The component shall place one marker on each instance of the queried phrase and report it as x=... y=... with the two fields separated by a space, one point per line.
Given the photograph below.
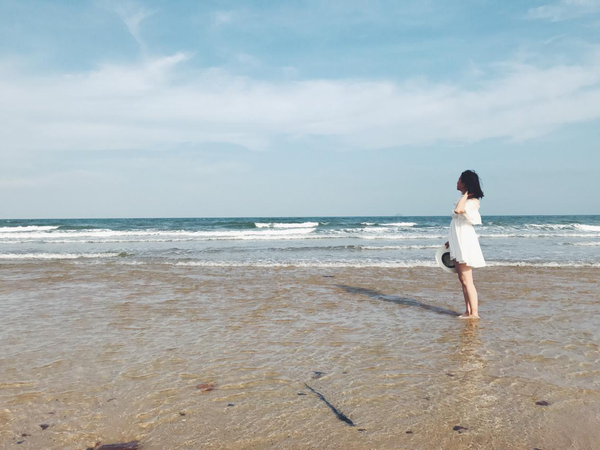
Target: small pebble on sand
x=206 y=387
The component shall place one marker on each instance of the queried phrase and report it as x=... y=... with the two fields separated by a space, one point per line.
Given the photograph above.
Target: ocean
x=551 y=241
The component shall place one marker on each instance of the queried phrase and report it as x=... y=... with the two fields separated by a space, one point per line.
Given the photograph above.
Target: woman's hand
x=460 y=206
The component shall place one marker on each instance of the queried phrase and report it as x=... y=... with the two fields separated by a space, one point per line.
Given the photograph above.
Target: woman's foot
x=467 y=316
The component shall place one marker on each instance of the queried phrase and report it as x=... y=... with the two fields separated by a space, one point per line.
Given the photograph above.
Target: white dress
x=464 y=244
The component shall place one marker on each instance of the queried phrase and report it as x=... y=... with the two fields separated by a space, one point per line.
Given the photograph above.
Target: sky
x=297 y=108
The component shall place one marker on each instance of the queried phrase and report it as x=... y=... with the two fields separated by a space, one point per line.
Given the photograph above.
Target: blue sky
x=299 y=108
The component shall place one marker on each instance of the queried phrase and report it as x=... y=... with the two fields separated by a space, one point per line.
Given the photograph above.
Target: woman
x=463 y=242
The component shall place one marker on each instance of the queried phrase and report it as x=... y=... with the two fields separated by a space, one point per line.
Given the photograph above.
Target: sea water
x=552 y=241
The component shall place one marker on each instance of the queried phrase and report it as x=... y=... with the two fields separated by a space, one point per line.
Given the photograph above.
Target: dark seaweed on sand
x=337 y=413
x=133 y=445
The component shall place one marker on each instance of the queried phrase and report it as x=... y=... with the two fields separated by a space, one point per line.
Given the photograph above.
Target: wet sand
x=110 y=353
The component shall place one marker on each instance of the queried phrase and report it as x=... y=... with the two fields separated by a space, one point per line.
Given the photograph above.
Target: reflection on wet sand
x=469 y=352
x=473 y=396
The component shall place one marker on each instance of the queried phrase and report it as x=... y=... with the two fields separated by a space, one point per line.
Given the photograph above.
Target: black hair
x=472 y=182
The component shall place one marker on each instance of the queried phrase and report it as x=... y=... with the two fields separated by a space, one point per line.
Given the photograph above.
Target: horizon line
x=288 y=217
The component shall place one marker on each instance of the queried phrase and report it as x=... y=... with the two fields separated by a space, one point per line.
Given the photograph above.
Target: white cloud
x=564 y=9
x=156 y=104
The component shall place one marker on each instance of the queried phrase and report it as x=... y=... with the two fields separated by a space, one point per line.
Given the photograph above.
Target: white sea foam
x=566 y=264
x=26 y=229
x=278 y=237
x=566 y=226
x=308 y=264
x=368 y=263
x=274 y=235
x=398 y=237
x=367 y=223
x=397 y=247
x=305 y=230
x=587 y=227
x=286 y=225
x=550 y=226
x=94 y=241
x=377 y=229
x=77 y=234
x=44 y=256
x=399 y=224
x=536 y=235
x=586 y=244
x=133 y=240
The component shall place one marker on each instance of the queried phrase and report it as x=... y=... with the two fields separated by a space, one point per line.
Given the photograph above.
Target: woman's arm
x=460 y=206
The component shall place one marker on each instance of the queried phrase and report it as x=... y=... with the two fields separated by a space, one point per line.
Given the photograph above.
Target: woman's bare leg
x=464 y=289
x=466 y=296
x=465 y=275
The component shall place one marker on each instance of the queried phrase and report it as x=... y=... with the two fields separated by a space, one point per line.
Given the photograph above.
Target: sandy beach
x=199 y=357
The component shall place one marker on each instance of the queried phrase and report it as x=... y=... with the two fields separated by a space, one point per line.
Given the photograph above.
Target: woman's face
x=460 y=186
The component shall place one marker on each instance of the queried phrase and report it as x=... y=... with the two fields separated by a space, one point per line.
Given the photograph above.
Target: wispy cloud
x=22 y=182
x=159 y=104
x=132 y=14
x=564 y=9
x=45 y=180
x=222 y=18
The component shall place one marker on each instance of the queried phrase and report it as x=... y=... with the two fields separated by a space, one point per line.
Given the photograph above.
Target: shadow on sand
x=398 y=300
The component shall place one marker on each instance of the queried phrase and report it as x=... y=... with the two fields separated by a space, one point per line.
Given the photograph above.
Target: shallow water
x=111 y=353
